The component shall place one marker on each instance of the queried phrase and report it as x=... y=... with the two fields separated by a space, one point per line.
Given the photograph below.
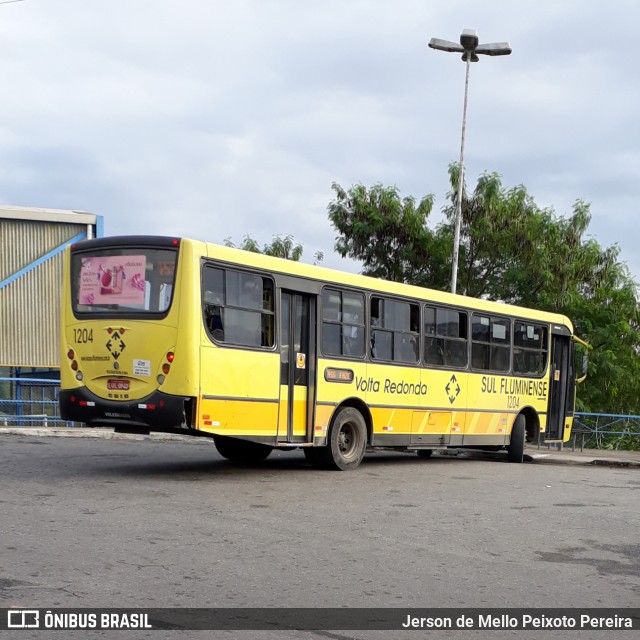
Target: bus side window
x=343 y=323
x=445 y=332
x=244 y=327
x=499 y=358
x=480 y=356
x=213 y=314
x=409 y=349
x=433 y=352
x=457 y=354
x=164 y=296
x=491 y=343
x=382 y=345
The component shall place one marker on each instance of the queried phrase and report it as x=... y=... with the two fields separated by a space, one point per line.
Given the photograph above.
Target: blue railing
x=26 y=402
x=606 y=431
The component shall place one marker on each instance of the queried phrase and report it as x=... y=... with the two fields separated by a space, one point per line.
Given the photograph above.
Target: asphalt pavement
x=543 y=454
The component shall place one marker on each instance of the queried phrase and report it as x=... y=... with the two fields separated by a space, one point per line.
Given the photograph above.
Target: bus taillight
x=166 y=367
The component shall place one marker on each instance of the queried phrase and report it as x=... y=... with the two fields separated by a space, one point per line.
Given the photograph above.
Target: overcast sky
x=214 y=119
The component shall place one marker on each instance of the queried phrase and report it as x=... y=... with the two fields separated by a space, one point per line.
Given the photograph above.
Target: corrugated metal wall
x=30 y=305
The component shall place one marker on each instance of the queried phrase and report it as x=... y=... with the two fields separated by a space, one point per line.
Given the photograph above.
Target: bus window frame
x=547 y=351
x=133 y=314
x=492 y=316
x=439 y=306
x=275 y=313
x=382 y=295
x=364 y=324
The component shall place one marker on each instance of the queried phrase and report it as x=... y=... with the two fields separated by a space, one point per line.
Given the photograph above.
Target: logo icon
x=452 y=389
x=115 y=345
x=23 y=619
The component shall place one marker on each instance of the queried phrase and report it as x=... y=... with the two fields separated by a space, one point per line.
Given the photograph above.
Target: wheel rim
x=348 y=440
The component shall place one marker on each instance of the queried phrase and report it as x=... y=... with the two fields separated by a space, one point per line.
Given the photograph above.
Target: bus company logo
x=23 y=619
x=115 y=345
x=452 y=389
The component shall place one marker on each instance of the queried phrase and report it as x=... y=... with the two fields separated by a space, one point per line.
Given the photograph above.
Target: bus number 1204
x=82 y=336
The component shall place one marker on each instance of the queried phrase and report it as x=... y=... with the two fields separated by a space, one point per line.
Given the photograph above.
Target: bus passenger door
x=297 y=367
x=559 y=388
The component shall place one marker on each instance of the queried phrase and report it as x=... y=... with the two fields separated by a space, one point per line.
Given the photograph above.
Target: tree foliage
x=511 y=250
x=279 y=247
x=387 y=233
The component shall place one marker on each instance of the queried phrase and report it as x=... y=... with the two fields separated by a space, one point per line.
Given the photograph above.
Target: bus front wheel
x=347 y=441
x=241 y=450
x=515 y=452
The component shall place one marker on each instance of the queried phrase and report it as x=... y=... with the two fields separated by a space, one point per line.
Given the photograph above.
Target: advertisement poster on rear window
x=112 y=280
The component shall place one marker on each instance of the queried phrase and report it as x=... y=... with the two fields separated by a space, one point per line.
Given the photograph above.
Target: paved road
x=111 y=523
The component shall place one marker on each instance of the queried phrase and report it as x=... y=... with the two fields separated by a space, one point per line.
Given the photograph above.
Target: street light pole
x=469 y=48
x=456 y=232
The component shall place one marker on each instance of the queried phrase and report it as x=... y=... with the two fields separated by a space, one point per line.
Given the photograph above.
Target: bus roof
x=334 y=276
x=244 y=258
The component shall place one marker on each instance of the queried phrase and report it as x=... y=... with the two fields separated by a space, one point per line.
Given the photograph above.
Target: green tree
x=513 y=251
x=608 y=316
x=279 y=247
x=386 y=232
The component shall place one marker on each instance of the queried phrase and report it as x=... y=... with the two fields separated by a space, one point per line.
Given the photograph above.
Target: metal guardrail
x=37 y=420
x=29 y=402
x=606 y=431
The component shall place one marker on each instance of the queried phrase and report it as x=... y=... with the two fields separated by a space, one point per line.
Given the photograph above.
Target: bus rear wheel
x=515 y=452
x=241 y=450
x=347 y=441
x=424 y=453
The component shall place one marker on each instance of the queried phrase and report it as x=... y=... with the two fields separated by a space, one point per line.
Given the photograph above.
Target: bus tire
x=424 y=453
x=515 y=452
x=347 y=441
x=241 y=450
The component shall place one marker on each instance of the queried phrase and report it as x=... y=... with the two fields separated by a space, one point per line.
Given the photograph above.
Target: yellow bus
x=260 y=353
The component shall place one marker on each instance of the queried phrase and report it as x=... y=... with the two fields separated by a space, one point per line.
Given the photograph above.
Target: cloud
x=217 y=119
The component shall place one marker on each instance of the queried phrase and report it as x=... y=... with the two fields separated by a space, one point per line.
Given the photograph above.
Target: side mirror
x=581 y=347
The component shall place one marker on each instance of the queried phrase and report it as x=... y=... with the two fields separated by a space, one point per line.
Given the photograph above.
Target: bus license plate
x=118 y=385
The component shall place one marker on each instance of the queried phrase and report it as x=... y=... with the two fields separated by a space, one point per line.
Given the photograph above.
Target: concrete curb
x=592 y=458
x=103 y=433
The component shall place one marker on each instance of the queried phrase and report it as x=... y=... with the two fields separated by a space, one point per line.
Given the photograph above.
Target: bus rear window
x=123 y=280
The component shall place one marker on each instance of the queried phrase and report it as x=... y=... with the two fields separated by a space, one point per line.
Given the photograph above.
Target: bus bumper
x=158 y=411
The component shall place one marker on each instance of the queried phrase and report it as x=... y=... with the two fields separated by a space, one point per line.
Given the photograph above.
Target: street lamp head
x=469 y=47
x=494 y=49
x=445 y=45
x=469 y=39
